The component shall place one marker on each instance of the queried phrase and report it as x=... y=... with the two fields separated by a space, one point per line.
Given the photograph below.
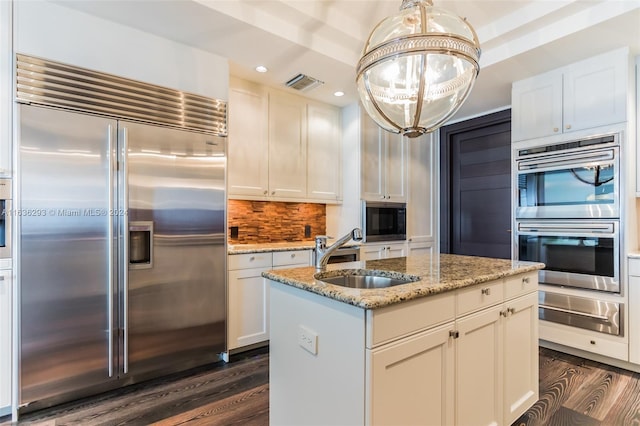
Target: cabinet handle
x=511 y=311
x=454 y=334
x=486 y=291
x=503 y=314
x=568 y=126
x=251 y=259
x=525 y=280
x=273 y=192
x=555 y=129
x=266 y=192
x=593 y=342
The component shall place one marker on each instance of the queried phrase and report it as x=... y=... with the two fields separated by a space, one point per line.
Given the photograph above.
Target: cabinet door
x=536 y=105
x=411 y=381
x=396 y=167
x=520 y=356
x=6 y=95
x=287 y=146
x=419 y=249
x=479 y=359
x=5 y=341
x=595 y=91
x=324 y=153
x=248 y=165
x=373 y=160
x=396 y=250
x=248 y=310
x=421 y=197
x=372 y=252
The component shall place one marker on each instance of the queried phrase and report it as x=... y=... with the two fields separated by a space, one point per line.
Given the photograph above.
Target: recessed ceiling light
x=338 y=93
x=261 y=68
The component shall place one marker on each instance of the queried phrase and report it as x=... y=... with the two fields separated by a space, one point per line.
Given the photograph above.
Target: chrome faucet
x=323 y=252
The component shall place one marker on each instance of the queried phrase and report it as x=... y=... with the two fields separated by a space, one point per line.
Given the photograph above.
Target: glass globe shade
x=417 y=68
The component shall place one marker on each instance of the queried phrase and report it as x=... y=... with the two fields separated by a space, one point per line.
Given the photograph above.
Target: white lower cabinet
x=248 y=294
x=486 y=361
x=466 y=357
x=5 y=342
x=427 y=359
x=382 y=250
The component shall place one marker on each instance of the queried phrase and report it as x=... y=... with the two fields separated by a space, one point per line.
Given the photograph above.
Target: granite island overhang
x=438 y=273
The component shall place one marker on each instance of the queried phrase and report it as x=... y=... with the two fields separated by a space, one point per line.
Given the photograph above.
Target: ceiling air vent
x=303 y=82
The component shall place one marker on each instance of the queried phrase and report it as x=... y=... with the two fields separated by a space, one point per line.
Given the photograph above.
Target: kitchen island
x=457 y=346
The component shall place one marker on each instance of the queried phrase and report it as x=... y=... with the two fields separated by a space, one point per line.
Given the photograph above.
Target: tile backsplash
x=273 y=222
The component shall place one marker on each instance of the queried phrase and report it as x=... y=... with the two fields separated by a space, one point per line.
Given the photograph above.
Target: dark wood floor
x=573 y=391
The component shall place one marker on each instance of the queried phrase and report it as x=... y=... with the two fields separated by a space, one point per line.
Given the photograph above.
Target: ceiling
x=324 y=38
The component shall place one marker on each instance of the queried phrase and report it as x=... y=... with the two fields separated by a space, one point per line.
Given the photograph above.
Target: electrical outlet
x=234 y=232
x=307 y=231
x=308 y=339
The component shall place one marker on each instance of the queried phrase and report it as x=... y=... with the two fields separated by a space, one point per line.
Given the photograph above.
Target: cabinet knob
x=486 y=291
x=293 y=255
x=273 y=192
x=555 y=129
x=568 y=126
x=525 y=280
x=503 y=314
x=593 y=342
x=382 y=197
x=266 y=192
x=511 y=311
x=251 y=259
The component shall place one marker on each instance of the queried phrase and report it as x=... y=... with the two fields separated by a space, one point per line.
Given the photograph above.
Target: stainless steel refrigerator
x=122 y=252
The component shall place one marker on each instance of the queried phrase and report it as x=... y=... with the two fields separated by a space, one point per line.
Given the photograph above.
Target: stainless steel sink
x=363 y=278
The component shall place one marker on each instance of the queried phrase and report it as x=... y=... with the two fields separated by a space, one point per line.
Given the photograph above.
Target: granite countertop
x=437 y=274
x=285 y=246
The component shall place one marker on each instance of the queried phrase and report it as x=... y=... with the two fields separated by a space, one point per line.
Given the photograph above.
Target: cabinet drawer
x=589 y=341
x=292 y=257
x=634 y=267
x=480 y=296
x=520 y=284
x=403 y=319
x=250 y=260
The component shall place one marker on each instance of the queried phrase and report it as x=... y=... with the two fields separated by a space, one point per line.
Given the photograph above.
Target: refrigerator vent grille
x=45 y=82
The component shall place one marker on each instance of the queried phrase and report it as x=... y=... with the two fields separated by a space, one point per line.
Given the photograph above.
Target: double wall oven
x=567 y=215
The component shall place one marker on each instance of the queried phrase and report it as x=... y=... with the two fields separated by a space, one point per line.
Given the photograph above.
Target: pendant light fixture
x=417 y=68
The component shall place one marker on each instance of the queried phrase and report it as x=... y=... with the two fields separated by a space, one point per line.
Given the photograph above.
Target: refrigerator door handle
x=125 y=250
x=110 y=262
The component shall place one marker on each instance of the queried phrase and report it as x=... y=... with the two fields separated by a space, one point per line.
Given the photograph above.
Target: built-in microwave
x=572 y=180
x=384 y=221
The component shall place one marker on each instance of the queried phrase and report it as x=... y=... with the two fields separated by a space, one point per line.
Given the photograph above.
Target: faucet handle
x=356 y=234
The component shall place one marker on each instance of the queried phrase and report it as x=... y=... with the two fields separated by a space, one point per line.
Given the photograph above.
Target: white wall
x=55 y=32
x=342 y=218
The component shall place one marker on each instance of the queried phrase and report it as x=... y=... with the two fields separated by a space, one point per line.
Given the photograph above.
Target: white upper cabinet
x=384 y=163
x=287 y=146
x=422 y=197
x=324 y=153
x=282 y=147
x=248 y=160
x=583 y=95
x=638 y=124
x=6 y=97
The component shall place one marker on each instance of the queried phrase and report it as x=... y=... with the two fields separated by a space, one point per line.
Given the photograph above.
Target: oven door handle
x=568 y=311
x=567 y=228
x=575 y=160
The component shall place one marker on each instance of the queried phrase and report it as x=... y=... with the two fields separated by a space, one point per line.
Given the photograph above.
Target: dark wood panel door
x=476 y=192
